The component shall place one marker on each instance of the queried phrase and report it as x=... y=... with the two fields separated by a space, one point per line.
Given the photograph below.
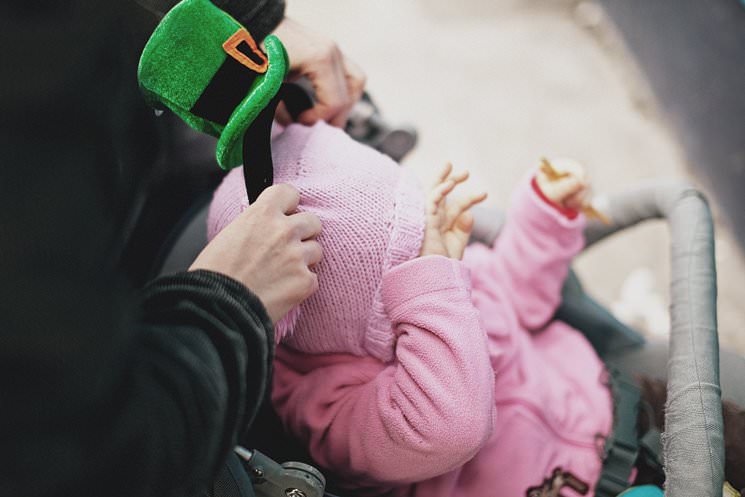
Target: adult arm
x=102 y=392
x=260 y=17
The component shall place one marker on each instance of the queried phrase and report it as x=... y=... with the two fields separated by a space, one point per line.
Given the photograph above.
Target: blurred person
x=106 y=389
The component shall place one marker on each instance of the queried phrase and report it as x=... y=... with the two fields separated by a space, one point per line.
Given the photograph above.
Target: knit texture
x=486 y=395
x=372 y=212
x=427 y=376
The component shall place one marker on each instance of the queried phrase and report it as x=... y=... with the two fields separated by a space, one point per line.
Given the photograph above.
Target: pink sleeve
x=531 y=257
x=424 y=414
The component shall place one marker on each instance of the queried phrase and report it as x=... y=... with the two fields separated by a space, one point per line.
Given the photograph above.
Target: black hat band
x=227 y=88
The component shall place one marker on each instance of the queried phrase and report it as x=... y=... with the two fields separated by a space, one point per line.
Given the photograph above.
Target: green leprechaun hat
x=204 y=66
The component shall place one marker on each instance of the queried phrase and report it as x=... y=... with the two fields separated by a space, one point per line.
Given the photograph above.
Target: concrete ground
x=493 y=85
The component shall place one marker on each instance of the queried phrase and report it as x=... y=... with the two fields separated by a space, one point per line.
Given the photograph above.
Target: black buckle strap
x=622 y=446
x=258 y=167
x=650 y=445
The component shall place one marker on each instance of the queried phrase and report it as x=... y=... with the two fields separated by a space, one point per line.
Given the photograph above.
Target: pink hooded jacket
x=483 y=394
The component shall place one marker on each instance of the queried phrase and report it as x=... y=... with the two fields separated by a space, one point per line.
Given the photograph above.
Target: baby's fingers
x=572 y=167
x=463 y=226
x=578 y=200
x=457 y=238
x=444 y=174
x=438 y=194
x=442 y=190
x=457 y=209
x=560 y=190
x=447 y=175
x=460 y=177
x=571 y=185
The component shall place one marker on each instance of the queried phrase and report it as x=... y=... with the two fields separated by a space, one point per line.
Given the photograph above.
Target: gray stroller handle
x=693 y=439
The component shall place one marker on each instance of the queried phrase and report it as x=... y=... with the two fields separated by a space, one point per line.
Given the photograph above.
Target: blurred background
x=632 y=88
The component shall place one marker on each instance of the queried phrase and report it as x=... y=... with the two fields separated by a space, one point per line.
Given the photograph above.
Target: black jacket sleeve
x=103 y=390
x=234 y=321
x=203 y=358
x=260 y=17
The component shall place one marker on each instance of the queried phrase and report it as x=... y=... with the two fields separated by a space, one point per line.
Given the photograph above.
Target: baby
x=423 y=367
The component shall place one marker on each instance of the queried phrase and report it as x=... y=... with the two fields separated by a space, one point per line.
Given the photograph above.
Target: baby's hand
x=564 y=182
x=448 y=225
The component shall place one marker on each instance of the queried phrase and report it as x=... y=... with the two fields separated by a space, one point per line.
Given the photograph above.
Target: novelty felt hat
x=204 y=66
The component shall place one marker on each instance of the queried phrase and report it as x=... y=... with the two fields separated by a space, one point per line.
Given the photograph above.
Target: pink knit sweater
x=485 y=395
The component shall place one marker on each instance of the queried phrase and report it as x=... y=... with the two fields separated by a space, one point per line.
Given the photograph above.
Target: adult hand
x=338 y=82
x=269 y=248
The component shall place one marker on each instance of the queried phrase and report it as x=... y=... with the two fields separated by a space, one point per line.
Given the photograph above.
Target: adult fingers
x=313 y=282
x=306 y=285
x=312 y=252
x=329 y=81
x=356 y=80
x=282 y=196
x=307 y=225
x=282 y=115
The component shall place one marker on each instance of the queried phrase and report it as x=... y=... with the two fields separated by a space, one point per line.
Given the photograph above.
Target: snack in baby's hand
x=553 y=175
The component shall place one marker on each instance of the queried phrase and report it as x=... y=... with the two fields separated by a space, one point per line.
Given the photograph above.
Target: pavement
x=493 y=85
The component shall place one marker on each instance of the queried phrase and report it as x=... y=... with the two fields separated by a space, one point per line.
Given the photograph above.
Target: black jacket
x=105 y=389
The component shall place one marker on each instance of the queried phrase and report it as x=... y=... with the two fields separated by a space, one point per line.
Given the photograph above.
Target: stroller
x=692 y=446
x=693 y=454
